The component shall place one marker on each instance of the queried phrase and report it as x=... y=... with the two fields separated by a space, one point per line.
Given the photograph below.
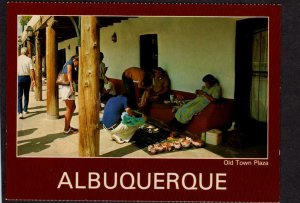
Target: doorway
x=148 y=52
x=251 y=77
x=61 y=59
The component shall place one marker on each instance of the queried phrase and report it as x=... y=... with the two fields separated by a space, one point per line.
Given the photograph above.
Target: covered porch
x=81 y=35
x=37 y=137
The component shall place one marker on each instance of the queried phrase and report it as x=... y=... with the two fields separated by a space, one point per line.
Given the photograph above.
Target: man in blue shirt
x=112 y=121
x=114 y=108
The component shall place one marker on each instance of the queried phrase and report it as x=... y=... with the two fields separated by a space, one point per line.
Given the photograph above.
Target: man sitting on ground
x=119 y=120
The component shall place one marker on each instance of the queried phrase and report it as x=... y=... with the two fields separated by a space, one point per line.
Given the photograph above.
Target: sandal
x=68 y=132
x=75 y=130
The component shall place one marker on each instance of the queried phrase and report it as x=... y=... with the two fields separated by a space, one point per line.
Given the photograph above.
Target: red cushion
x=215 y=115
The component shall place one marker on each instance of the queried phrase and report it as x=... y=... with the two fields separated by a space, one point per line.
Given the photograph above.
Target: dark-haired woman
x=159 y=90
x=68 y=92
x=209 y=93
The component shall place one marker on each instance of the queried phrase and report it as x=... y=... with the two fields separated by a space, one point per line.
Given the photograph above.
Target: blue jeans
x=23 y=88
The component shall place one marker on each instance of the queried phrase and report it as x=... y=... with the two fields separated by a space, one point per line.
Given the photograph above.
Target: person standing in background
x=102 y=77
x=129 y=76
x=26 y=76
x=108 y=91
x=68 y=92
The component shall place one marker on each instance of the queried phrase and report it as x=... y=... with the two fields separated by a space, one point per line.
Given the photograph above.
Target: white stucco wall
x=188 y=48
x=72 y=43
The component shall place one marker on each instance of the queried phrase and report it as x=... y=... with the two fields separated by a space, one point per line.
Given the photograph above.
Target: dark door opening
x=61 y=59
x=251 y=77
x=148 y=52
x=77 y=50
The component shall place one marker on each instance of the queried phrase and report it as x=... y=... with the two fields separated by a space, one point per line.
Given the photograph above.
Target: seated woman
x=209 y=93
x=159 y=90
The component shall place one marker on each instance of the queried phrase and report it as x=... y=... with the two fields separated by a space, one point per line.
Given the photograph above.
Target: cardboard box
x=214 y=137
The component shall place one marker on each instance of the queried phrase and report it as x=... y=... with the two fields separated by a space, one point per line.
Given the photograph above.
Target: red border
x=37 y=178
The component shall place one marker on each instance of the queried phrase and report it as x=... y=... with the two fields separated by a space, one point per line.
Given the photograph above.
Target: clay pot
x=158 y=147
x=186 y=143
x=177 y=145
x=198 y=143
x=151 y=149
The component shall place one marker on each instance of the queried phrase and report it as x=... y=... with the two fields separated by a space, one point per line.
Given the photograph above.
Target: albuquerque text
x=143 y=181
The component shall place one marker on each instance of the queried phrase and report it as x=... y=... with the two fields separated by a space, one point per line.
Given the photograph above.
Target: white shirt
x=110 y=86
x=24 y=65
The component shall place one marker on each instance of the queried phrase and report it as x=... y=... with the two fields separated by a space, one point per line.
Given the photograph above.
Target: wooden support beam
x=19 y=50
x=38 y=68
x=42 y=23
x=51 y=64
x=29 y=48
x=88 y=95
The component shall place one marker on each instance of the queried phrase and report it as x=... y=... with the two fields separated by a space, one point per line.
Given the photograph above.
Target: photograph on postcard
x=176 y=100
x=142 y=86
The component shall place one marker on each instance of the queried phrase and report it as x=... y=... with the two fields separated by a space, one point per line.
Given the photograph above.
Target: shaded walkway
x=38 y=136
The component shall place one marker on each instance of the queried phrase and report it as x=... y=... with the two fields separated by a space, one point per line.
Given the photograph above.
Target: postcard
x=143 y=102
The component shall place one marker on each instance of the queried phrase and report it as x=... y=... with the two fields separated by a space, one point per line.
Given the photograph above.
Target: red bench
x=216 y=115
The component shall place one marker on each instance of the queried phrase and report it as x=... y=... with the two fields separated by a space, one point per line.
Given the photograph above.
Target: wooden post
x=38 y=69
x=29 y=48
x=19 y=50
x=88 y=94
x=51 y=63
